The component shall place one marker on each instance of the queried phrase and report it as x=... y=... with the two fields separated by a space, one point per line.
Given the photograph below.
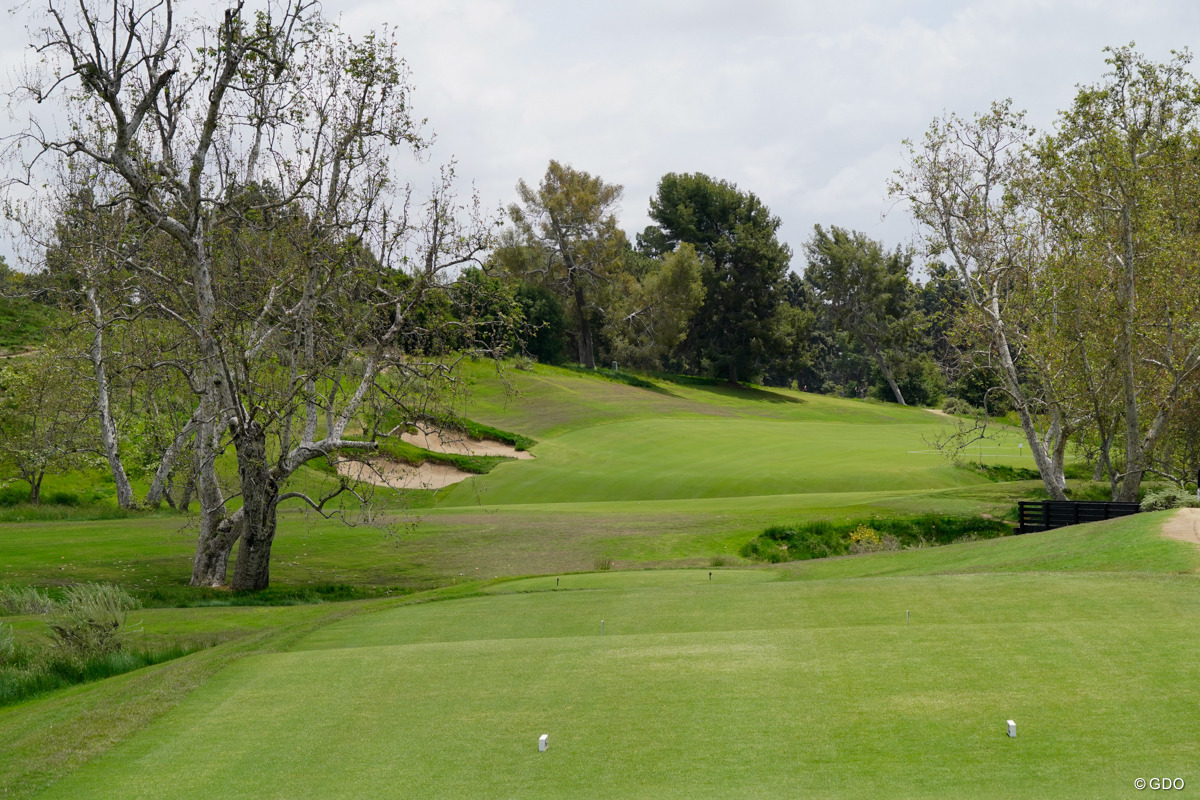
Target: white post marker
x=543 y=742
x=1012 y=729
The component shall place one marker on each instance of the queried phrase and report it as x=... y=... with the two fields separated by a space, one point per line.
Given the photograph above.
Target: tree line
x=241 y=269
x=1058 y=285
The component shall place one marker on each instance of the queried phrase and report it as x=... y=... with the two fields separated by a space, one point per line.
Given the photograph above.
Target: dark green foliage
x=735 y=333
x=490 y=305
x=204 y=597
x=824 y=538
x=920 y=380
x=1003 y=473
x=867 y=293
x=544 y=335
x=980 y=387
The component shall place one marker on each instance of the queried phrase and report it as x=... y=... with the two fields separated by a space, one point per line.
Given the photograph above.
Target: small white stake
x=543 y=742
x=601 y=627
x=1012 y=729
x=905 y=617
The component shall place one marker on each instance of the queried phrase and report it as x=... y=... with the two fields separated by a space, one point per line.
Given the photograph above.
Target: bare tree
x=259 y=151
x=962 y=186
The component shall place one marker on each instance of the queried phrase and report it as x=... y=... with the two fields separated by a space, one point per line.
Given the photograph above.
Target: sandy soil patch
x=1184 y=526
x=940 y=413
x=460 y=444
x=398 y=475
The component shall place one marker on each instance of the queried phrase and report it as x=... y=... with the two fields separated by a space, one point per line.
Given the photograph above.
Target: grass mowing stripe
x=1094 y=670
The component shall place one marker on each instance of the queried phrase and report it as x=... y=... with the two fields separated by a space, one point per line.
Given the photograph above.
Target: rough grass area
x=23 y=323
x=823 y=538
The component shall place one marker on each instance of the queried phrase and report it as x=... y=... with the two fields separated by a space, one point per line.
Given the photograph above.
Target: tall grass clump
x=24 y=600
x=88 y=641
x=8 y=645
x=825 y=538
x=28 y=672
x=90 y=620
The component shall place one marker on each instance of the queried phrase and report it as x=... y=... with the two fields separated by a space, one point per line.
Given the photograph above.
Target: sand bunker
x=398 y=475
x=460 y=444
x=1184 y=526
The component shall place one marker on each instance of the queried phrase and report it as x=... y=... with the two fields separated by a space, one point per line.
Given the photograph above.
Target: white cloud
x=804 y=103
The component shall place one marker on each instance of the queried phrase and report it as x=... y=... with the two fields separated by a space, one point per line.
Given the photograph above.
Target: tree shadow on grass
x=754 y=393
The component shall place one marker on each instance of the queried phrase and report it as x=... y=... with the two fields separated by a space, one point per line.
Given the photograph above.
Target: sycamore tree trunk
x=108 y=430
x=887 y=374
x=1124 y=352
x=1050 y=472
x=218 y=532
x=1059 y=437
x=260 y=500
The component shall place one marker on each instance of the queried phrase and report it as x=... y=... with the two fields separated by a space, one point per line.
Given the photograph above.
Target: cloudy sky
x=803 y=103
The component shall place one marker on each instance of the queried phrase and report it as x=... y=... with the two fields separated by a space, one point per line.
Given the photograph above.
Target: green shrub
x=13 y=494
x=1169 y=497
x=90 y=619
x=960 y=407
x=1003 y=473
x=24 y=600
x=62 y=498
x=823 y=538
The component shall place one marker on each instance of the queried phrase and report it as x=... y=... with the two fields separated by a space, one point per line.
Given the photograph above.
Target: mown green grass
x=694 y=458
x=742 y=684
x=799 y=680
x=546 y=402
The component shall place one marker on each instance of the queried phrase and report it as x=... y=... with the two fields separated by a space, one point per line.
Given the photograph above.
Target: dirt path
x=1184 y=526
x=397 y=475
x=940 y=413
x=460 y=444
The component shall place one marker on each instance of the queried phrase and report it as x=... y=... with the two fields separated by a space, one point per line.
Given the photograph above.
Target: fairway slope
x=603 y=441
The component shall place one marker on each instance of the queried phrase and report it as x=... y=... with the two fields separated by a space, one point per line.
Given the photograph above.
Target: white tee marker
x=543 y=742
x=1012 y=729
